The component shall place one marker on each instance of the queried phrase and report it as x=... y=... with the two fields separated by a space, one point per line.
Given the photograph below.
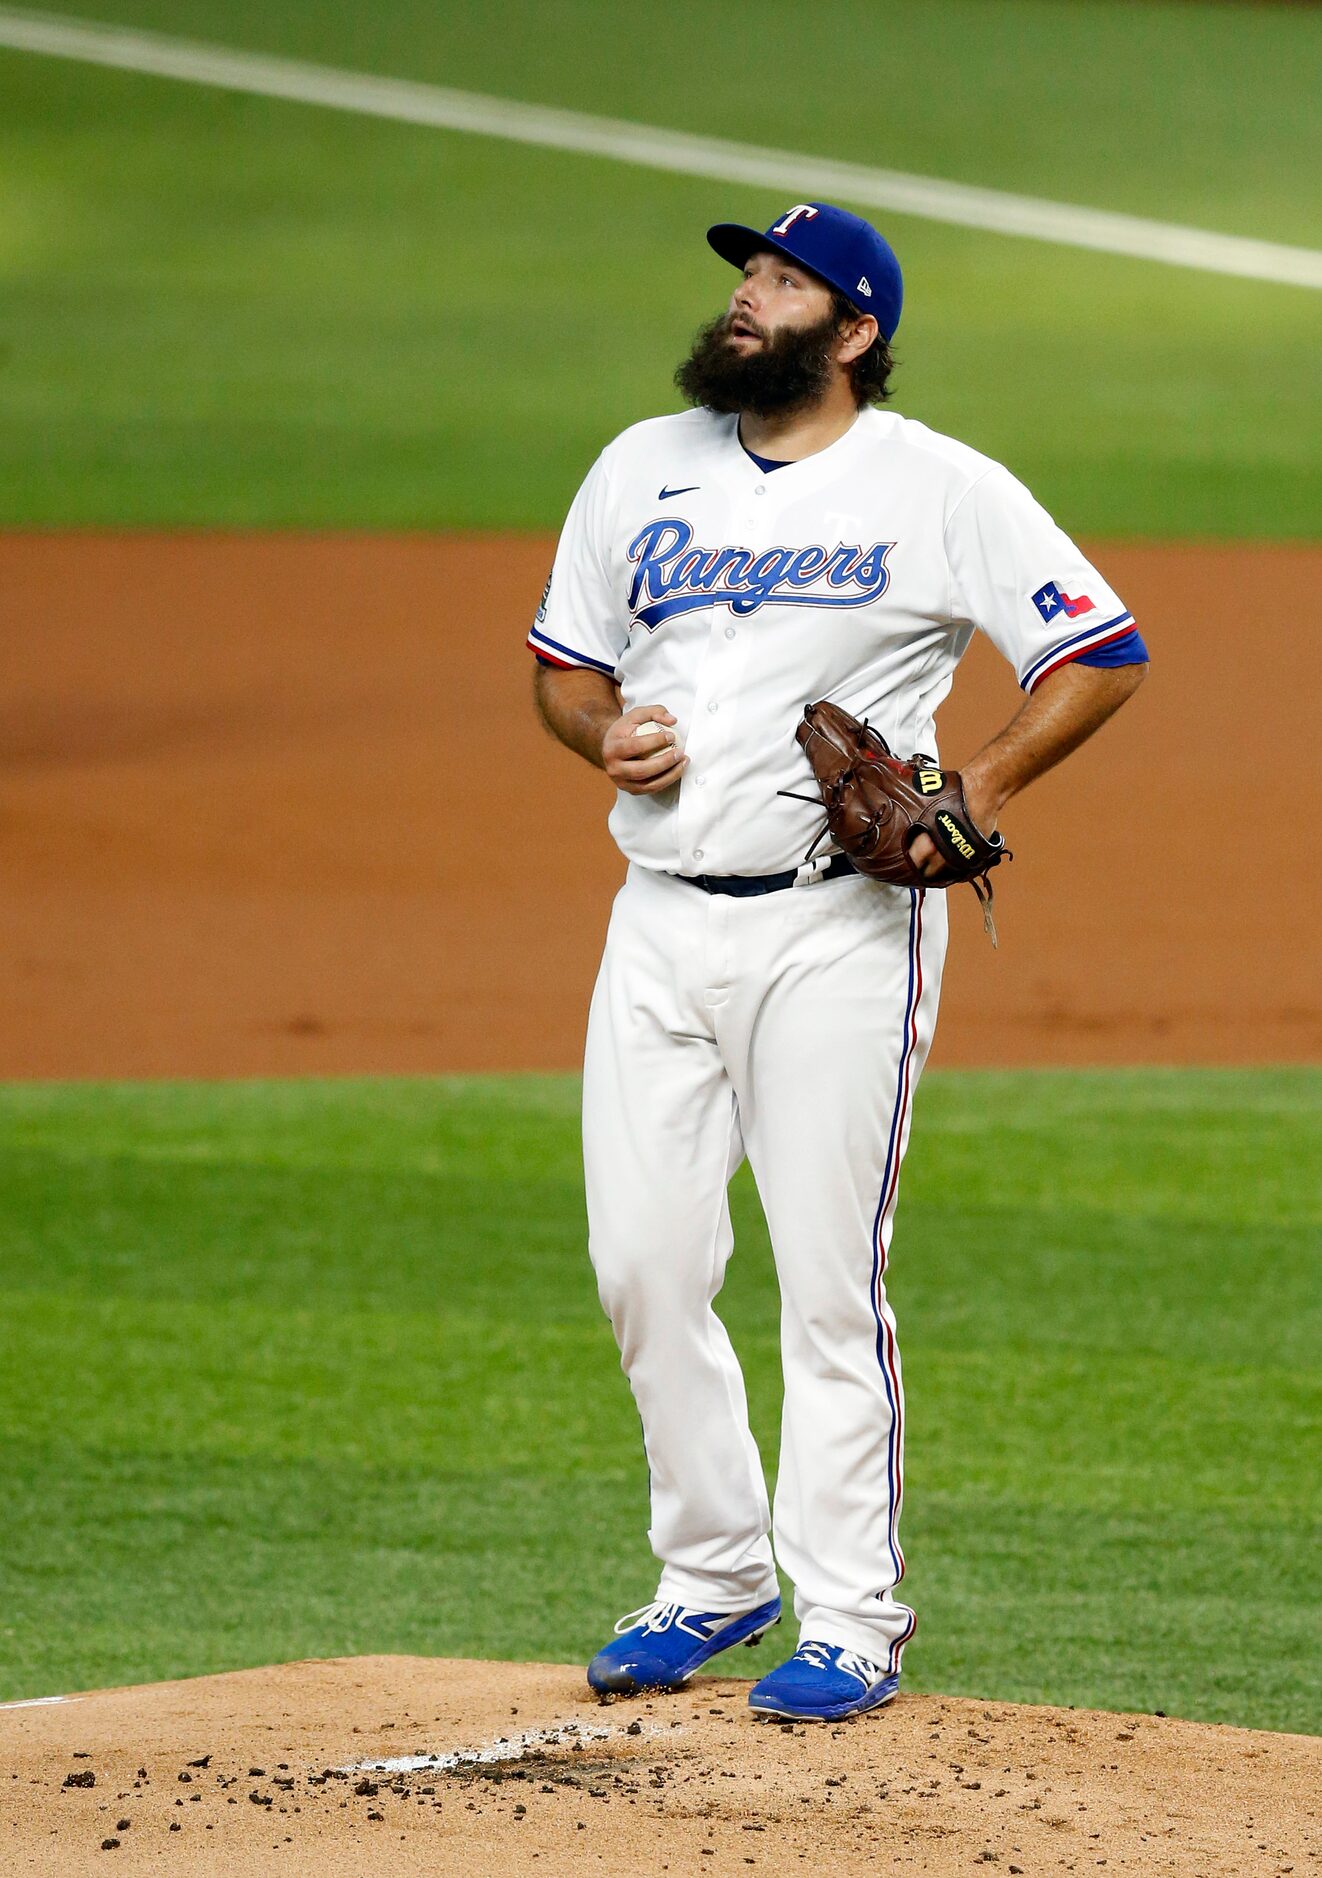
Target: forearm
x=578 y=707
x=1062 y=713
x=636 y=748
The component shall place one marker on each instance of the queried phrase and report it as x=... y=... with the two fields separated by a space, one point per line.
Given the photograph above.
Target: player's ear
x=856 y=335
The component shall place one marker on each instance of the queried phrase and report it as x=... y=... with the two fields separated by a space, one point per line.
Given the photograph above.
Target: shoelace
x=818 y=1654
x=654 y=1616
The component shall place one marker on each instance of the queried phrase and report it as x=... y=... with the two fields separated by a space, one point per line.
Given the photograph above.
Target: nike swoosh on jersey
x=663 y=494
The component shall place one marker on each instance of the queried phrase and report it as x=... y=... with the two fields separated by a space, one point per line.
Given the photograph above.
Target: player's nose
x=744 y=298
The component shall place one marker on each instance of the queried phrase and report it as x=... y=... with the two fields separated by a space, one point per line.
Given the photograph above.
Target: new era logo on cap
x=863 y=287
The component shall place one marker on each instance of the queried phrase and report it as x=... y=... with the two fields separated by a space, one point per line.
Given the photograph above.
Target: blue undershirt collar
x=765 y=463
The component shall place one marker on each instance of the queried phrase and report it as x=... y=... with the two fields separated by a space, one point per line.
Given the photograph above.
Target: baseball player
x=784 y=540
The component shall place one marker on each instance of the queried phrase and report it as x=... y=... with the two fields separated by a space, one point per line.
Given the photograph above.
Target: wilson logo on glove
x=956 y=834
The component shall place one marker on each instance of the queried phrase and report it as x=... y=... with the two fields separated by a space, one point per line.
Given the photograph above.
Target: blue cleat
x=660 y=1646
x=823 y=1683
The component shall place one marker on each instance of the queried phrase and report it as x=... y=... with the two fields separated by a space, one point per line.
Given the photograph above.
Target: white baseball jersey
x=733 y=596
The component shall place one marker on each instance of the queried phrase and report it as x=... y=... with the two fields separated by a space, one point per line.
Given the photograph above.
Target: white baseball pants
x=791 y=1028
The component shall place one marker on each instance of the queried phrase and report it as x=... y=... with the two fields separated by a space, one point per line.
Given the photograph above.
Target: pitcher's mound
x=408 y=1765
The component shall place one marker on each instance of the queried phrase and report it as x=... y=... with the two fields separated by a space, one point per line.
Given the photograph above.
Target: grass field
x=220 y=310
x=318 y=1368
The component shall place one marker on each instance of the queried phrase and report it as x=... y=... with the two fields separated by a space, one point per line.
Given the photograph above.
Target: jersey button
x=729 y=632
x=713 y=707
x=699 y=782
x=760 y=490
x=697 y=854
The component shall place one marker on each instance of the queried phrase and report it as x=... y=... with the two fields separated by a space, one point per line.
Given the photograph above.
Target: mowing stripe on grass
x=405 y=101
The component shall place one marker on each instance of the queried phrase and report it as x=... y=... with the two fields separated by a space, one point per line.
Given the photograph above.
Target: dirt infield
x=506 y=1768
x=279 y=806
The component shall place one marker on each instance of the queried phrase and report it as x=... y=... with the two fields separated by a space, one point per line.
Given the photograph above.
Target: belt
x=745 y=886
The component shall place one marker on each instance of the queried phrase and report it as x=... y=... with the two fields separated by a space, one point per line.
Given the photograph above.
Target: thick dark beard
x=791 y=368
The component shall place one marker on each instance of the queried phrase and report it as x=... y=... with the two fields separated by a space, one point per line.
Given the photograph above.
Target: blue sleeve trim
x=538 y=638
x=1127 y=651
x=1063 y=652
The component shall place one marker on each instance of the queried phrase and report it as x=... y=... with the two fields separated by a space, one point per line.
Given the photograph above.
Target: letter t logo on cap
x=784 y=226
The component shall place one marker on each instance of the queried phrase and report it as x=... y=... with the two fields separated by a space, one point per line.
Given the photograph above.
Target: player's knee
x=624 y=1293
x=633 y=1284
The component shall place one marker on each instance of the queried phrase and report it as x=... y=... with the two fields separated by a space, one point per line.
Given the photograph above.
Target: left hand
x=983 y=810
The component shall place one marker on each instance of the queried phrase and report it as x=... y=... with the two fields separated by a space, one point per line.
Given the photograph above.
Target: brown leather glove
x=876 y=805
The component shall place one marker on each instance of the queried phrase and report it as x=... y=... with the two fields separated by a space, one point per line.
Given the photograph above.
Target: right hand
x=642 y=766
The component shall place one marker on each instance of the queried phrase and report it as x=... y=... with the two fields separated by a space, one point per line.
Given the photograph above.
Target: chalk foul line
x=718 y=159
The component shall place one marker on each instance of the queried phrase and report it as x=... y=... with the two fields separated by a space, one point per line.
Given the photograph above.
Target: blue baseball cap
x=842 y=249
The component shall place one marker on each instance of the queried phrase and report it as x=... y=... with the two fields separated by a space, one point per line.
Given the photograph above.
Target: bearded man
x=784 y=540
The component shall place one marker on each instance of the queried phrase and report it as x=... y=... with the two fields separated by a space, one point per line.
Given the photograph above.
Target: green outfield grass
x=226 y=310
x=314 y=1368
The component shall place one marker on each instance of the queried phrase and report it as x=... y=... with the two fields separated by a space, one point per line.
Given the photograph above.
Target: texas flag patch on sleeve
x=1049 y=601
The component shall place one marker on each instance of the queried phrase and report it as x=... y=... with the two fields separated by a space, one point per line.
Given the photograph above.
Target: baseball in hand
x=652 y=729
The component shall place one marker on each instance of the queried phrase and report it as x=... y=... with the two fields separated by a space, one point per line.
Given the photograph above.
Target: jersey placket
x=707 y=814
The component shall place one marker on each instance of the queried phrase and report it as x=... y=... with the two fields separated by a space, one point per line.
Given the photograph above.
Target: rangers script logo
x=671 y=576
